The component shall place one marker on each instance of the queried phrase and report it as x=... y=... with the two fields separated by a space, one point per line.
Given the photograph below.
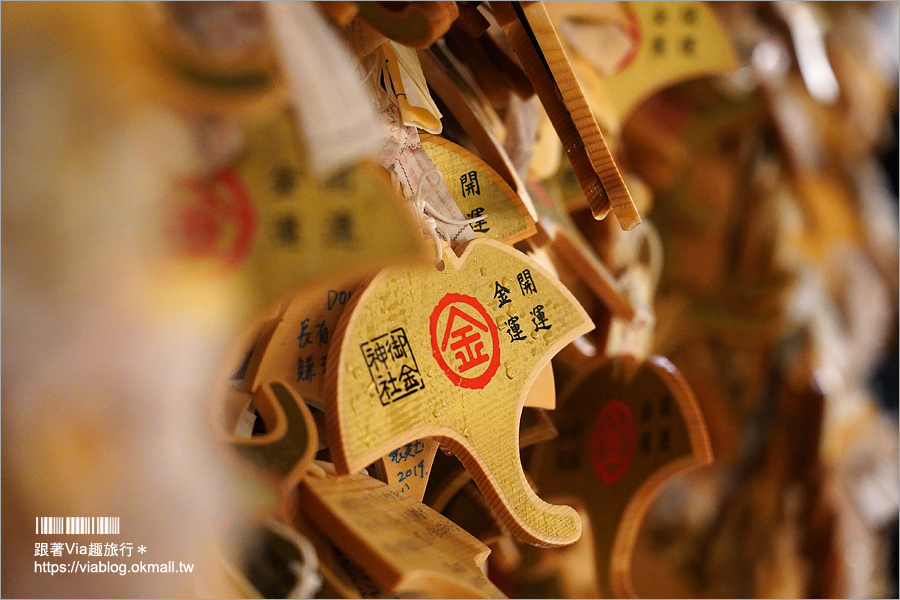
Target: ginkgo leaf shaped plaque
x=451 y=355
x=269 y=225
x=625 y=428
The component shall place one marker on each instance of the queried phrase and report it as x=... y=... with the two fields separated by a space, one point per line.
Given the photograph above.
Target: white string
x=644 y=319
x=426 y=213
x=309 y=581
x=429 y=215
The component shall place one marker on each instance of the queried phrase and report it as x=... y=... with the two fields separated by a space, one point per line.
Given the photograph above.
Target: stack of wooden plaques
x=510 y=299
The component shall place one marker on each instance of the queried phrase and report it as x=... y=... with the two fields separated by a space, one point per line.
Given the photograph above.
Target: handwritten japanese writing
x=417 y=471
x=306 y=368
x=408 y=451
x=305 y=336
x=322 y=333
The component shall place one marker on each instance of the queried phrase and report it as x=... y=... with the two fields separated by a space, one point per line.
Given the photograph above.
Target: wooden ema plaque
x=296 y=348
x=266 y=222
x=451 y=355
x=293 y=348
x=625 y=428
x=403 y=545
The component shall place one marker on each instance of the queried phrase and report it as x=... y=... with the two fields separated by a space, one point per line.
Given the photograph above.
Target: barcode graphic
x=76 y=525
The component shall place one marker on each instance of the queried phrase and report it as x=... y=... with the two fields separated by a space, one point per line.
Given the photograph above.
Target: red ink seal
x=214 y=218
x=464 y=341
x=633 y=33
x=613 y=441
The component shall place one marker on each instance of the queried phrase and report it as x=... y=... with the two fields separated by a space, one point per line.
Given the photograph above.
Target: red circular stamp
x=613 y=441
x=465 y=341
x=214 y=218
x=634 y=35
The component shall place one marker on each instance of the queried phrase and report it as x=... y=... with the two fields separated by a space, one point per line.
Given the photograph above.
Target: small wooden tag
x=403 y=545
x=483 y=70
x=337 y=579
x=625 y=428
x=451 y=355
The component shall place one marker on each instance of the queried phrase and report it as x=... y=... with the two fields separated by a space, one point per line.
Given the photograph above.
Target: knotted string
x=431 y=215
